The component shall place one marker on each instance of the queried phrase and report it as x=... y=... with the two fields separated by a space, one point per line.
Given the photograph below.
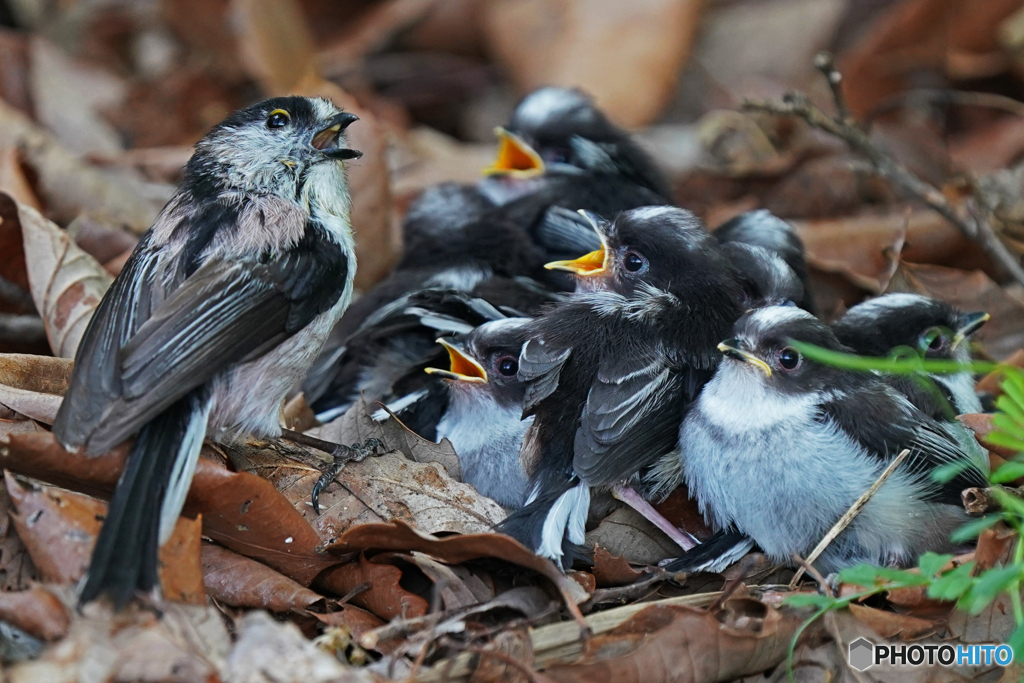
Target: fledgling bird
x=922 y=325
x=218 y=312
x=612 y=370
x=761 y=228
x=778 y=447
x=558 y=153
x=483 y=420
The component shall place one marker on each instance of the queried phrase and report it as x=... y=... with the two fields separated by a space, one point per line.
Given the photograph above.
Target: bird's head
x=894 y=322
x=484 y=363
x=271 y=148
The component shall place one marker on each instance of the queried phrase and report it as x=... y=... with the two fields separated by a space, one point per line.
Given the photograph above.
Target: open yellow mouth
x=587 y=265
x=463 y=368
x=731 y=348
x=515 y=157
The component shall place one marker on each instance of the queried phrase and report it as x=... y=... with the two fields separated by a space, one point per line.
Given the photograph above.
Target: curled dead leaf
x=383 y=596
x=240 y=582
x=67 y=284
x=890 y=624
x=36 y=611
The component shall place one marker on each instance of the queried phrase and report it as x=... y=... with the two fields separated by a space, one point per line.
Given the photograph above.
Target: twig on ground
x=974 y=225
x=979 y=501
x=845 y=520
x=815 y=574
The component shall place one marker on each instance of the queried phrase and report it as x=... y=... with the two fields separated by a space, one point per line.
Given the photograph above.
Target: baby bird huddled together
x=573 y=334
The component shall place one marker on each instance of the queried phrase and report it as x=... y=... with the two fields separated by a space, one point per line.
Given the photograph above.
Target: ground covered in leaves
x=399 y=576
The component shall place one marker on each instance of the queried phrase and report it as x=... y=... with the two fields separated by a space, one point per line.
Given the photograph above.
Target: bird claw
x=343 y=455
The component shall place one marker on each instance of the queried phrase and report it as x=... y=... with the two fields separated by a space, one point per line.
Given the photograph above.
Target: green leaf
x=1008 y=472
x=973 y=528
x=1012 y=505
x=1016 y=641
x=870 y=576
x=1013 y=386
x=809 y=600
x=931 y=563
x=1006 y=440
x=1014 y=410
x=952 y=585
x=987 y=586
x=949 y=472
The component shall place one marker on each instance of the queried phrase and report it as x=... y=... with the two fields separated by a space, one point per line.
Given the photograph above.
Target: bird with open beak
x=611 y=371
x=916 y=324
x=778 y=447
x=483 y=420
x=557 y=151
x=218 y=312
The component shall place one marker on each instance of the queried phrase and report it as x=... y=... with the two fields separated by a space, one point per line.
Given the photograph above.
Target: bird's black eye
x=789 y=358
x=633 y=261
x=934 y=340
x=278 y=118
x=508 y=366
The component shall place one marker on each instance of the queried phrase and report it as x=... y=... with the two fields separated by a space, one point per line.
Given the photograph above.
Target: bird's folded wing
x=885 y=423
x=631 y=417
x=540 y=366
x=223 y=314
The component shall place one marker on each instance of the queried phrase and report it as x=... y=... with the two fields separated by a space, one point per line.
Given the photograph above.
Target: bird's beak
x=515 y=157
x=969 y=324
x=733 y=348
x=328 y=140
x=588 y=265
x=463 y=368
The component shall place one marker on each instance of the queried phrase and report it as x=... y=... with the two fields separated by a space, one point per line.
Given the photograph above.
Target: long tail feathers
x=146 y=502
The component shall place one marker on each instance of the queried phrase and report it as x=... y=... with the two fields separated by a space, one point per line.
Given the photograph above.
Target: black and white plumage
x=218 y=312
x=611 y=371
x=763 y=229
x=778 y=447
x=921 y=325
x=558 y=153
x=483 y=420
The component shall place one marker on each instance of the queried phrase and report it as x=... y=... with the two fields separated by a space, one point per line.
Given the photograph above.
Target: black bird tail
x=147 y=500
x=714 y=554
x=553 y=520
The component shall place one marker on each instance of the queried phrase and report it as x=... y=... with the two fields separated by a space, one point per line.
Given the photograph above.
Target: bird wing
x=540 y=366
x=632 y=415
x=885 y=423
x=225 y=312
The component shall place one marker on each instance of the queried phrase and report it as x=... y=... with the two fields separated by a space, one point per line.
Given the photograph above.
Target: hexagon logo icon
x=862 y=654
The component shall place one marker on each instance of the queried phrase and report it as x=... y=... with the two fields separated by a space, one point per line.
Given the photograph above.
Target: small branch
x=980 y=501
x=327 y=447
x=825 y=63
x=975 y=226
x=845 y=520
x=815 y=574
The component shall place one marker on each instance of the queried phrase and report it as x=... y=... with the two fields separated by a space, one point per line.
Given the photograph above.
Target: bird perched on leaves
x=483 y=420
x=778 y=447
x=612 y=370
x=218 y=312
x=925 y=326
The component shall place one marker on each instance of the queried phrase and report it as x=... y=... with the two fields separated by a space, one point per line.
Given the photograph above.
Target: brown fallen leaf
x=16 y=569
x=240 y=510
x=238 y=581
x=14 y=288
x=59 y=529
x=891 y=624
x=992 y=382
x=66 y=184
x=980 y=424
x=680 y=643
x=36 y=611
x=453 y=550
x=18 y=425
x=597 y=46
x=357 y=620
x=612 y=570
x=13 y=181
x=100 y=238
x=181 y=569
x=30 y=404
x=383 y=596
x=67 y=284
x=44 y=374
x=625 y=532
